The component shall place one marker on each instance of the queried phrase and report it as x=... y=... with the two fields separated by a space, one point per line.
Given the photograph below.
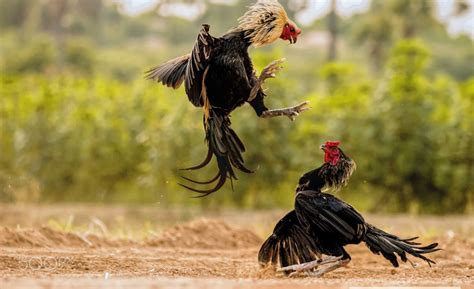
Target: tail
x=226 y=146
x=289 y=244
x=170 y=73
x=380 y=242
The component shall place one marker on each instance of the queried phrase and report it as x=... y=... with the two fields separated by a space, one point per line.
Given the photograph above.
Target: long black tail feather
x=204 y=193
x=380 y=242
x=201 y=182
x=226 y=146
x=288 y=245
x=204 y=163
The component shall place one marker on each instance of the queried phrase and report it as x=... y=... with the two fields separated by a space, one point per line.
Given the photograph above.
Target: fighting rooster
x=323 y=224
x=218 y=75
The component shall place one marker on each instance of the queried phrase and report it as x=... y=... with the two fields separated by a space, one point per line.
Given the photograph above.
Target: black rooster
x=218 y=75
x=323 y=224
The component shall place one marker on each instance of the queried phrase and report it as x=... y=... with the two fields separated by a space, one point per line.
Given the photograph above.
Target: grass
x=138 y=222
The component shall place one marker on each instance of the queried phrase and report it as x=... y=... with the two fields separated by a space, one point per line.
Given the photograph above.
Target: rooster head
x=266 y=21
x=337 y=167
x=332 y=152
x=290 y=32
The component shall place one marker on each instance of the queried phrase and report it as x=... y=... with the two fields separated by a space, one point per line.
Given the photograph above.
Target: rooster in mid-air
x=218 y=75
x=323 y=224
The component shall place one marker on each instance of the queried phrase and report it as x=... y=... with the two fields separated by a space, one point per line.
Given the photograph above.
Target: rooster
x=218 y=75
x=323 y=224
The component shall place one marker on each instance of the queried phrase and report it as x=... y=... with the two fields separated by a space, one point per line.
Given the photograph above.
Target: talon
x=303 y=107
x=271 y=69
x=295 y=114
x=305 y=267
x=293 y=274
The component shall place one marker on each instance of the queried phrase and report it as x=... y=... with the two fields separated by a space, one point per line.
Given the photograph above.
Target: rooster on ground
x=218 y=75
x=321 y=224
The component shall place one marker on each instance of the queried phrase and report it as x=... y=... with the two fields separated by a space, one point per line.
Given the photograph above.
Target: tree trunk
x=58 y=10
x=332 y=29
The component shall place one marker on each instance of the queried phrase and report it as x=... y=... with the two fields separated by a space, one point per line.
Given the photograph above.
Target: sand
x=202 y=253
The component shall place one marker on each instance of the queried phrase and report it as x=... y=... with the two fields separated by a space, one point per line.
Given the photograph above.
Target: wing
x=329 y=217
x=190 y=68
x=197 y=65
x=289 y=244
x=170 y=73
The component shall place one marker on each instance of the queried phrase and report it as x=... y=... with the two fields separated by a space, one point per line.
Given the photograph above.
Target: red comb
x=332 y=143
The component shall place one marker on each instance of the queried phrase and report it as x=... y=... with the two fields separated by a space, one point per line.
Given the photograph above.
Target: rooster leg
x=322 y=271
x=271 y=69
x=309 y=265
x=291 y=112
x=268 y=72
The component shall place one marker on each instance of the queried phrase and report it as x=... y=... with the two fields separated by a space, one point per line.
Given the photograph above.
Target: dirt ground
x=41 y=247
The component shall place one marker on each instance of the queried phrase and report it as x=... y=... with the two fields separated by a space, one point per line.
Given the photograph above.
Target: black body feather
x=289 y=244
x=218 y=75
x=324 y=224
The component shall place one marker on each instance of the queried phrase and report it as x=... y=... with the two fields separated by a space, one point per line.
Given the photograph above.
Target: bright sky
x=319 y=8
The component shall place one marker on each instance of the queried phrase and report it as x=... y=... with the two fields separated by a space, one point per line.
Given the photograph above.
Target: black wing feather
x=189 y=68
x=328 y=216
x=289 y=244
x=170 y=73
x=197 y=64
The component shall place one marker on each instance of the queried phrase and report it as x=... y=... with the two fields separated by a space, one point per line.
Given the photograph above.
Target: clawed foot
x=268 y=72
x=271 y=69
x=290 y=112
x=309 y=268
x=296 y=110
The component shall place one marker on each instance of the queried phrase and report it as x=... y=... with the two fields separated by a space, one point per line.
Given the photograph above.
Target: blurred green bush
x=78 y=123
x=74 y=137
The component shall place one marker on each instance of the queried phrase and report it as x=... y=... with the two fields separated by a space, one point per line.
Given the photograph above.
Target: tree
x=389 y=20
x=332 y=30
x=400 y=138
x=375 y=29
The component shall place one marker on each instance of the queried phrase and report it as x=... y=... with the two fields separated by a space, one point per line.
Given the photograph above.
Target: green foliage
x=387 y=21
x=415 y=138
x=85 y=139
x=38 y=56
x=80 y=55
x=78 y=122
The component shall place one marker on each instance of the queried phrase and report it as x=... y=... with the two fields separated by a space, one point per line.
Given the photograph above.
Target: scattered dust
x=206 y=234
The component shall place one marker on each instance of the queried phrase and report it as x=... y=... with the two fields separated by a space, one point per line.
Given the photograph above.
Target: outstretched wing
x=170 y=73
x=289 y=244
x=190 y=68
x=328 y=216
x=197 y=65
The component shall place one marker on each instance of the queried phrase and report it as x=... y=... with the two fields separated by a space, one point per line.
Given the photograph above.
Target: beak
x=293 y=39
x=323 y=147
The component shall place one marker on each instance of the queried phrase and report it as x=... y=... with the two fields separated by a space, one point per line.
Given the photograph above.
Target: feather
x=197 y=65
x=170 y=73
x=264 y=21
